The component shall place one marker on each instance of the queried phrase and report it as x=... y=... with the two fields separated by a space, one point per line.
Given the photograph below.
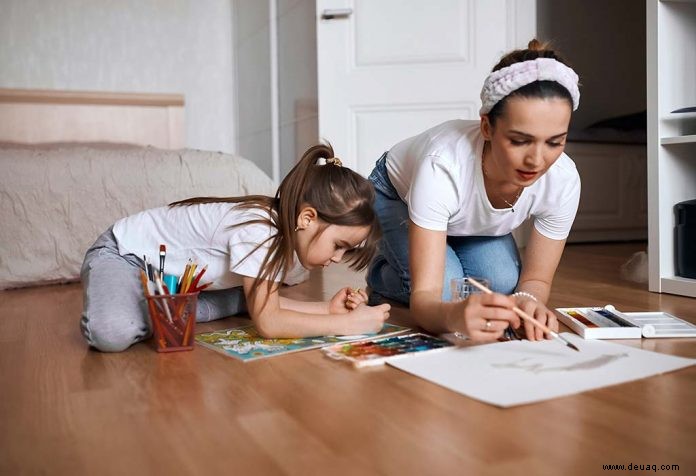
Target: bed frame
x=40 y=116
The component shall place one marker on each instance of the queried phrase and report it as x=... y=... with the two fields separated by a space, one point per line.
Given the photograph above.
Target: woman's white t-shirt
x=206 y=234
x=438 y=174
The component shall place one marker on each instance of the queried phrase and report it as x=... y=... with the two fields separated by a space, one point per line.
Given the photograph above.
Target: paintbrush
x=527 y=317
x=162 y=255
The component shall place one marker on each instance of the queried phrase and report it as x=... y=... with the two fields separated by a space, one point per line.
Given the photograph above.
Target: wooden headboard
x=40 y=116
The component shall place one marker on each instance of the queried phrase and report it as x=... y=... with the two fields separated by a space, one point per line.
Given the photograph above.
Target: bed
x=100 y=157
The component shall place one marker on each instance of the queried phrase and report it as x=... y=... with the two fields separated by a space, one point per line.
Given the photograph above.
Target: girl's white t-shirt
x=205 y=234
x=438 y=174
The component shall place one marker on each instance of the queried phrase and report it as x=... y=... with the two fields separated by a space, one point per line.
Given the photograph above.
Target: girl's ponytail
x=339 y=195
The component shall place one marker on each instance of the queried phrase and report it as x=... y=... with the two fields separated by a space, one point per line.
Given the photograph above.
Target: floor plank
x=65 y=409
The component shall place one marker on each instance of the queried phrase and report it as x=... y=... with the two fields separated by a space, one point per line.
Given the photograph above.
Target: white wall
x=296 y=75
x=253 y=84
x=144 y=46
x=297 y=68
x=604 y=40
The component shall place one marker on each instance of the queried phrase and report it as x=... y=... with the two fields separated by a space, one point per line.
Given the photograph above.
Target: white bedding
x=56 y=200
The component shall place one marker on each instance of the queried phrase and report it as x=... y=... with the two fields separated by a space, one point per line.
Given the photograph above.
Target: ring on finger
x=488 y=325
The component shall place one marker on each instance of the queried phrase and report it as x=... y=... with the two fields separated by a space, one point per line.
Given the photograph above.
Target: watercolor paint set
x=609 y=323
x=379 y=351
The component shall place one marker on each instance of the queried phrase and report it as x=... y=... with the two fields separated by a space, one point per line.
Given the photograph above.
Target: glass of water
x=461 y=288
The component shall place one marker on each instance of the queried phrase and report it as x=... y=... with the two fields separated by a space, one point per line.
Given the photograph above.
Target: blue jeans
x=492 y=257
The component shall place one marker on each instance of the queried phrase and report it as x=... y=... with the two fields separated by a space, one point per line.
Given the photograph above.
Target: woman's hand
x=540 y=313
x=346 y=300
x=366 y=319
x=484 y=317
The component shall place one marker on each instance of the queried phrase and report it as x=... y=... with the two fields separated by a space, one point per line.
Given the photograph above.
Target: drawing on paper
x=540 y=367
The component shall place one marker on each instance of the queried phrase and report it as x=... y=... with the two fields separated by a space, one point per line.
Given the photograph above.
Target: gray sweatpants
x=114 y=315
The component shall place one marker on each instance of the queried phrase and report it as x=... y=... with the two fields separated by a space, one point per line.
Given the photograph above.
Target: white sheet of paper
x=519 y=372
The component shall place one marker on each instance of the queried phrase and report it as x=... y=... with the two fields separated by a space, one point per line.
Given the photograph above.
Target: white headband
x=501 y=83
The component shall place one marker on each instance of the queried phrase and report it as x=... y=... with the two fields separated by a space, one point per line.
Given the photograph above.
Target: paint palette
x=378 y=351
x=599 y=323
x=608 y=323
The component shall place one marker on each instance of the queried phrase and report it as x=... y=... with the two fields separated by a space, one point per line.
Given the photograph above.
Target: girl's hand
x=484 y=317
x=366 y=319
x=346 y=300
x=540 y=313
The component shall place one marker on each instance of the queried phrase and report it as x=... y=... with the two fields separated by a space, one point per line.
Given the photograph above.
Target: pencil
x=165 y=302
x=187 y=330
x=162 y=342
x=527 y=317
x=143 y=279
x=186 y=279
x=198 y=277
x=201 y=287
x=192 y=272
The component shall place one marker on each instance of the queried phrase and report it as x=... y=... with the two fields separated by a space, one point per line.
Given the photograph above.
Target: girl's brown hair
x=339 y=195
x=538 y=89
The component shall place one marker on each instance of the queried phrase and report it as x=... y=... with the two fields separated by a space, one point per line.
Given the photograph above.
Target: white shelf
x=670 y=61
x=677 y=116
x=678 y=285
x=678 y=140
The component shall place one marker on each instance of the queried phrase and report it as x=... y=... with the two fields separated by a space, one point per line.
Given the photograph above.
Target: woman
x=449 y=198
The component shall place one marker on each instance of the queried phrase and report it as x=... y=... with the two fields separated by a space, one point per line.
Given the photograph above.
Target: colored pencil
x=187 y=330
x=198 y=277
x=201 y=288
x=153 y=313
x=165 y=303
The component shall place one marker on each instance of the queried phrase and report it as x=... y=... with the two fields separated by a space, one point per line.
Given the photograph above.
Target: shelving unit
x=671 y=85
x=678 y=140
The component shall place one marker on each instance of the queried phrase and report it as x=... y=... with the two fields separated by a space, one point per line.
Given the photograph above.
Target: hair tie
x=505 y=81
x=333 y=161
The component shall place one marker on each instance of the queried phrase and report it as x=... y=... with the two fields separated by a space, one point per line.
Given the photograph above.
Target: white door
x=388 y=69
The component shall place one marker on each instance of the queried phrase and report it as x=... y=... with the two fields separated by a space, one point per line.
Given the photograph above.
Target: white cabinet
x=613 y=203
x=671 y=85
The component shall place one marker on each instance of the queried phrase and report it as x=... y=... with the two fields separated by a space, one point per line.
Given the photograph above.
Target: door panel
x=393 y=68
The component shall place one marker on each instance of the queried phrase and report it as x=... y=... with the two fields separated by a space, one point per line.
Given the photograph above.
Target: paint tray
x=609 y=323
x=379 y=351
x=599 y=322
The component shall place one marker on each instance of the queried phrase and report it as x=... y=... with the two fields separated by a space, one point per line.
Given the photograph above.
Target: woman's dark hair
x=339 y=195
x=537 y=89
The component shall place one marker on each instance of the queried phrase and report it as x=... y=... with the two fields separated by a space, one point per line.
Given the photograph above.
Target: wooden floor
x=68 y=410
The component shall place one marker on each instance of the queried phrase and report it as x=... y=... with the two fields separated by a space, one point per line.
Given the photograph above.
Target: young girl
x=250 y=245
x=459 y=189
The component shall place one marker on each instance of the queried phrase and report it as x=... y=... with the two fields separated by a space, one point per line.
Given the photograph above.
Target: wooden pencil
x=198 y=277
x=162 y=342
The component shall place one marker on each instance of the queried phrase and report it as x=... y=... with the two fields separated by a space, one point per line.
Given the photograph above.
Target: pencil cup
x=173 y=319
x=461 y=288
